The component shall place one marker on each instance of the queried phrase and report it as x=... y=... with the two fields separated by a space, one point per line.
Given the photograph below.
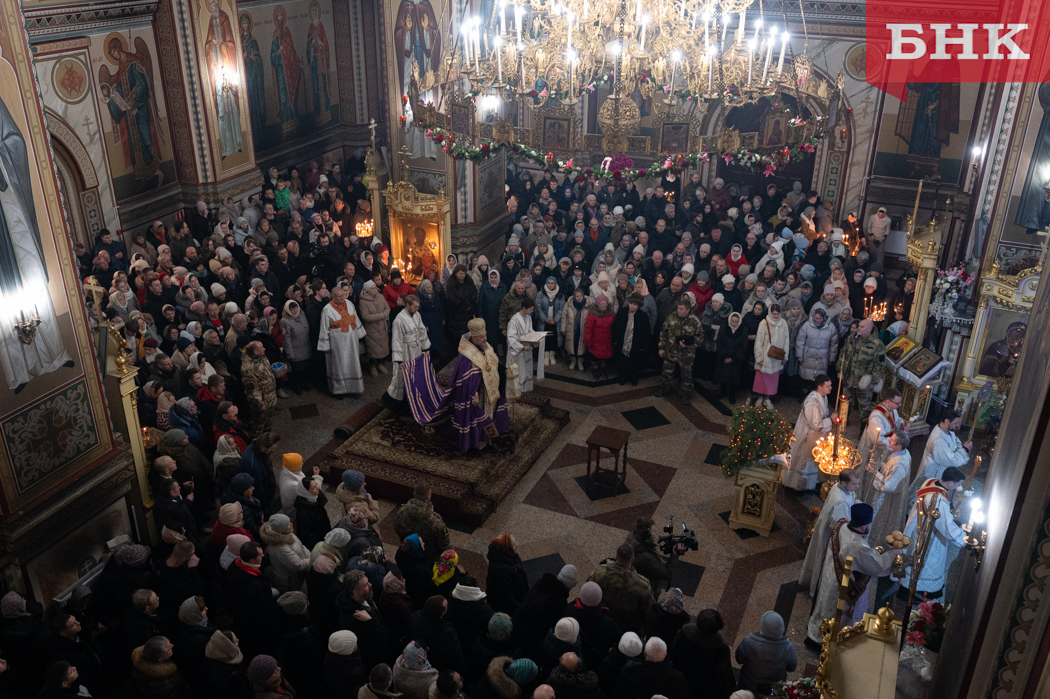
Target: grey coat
x=816 y=348
x=764 y=661
x=375 y=312
x=296 y=338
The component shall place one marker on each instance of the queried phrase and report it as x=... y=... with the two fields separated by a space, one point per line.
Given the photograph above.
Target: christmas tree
x=755 y=433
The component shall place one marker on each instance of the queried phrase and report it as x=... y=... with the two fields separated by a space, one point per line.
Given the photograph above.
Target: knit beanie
x=591 y=594
x=279 y=523
x=342 y=642
x=522 y=671
x=234 y=542
x=630 y=645
x=175 y=437
x=772 y=625
x=261 y=668
x=567 y=629
x=293 y=603
x=728 y=279
x=353 y=480
x=293 y=462
x=568 y=576
x=338 y=538
x=231 y=513
x=500 y=627
x=719 y=297
x=241 y=482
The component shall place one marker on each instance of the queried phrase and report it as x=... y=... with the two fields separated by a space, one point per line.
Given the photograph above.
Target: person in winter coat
x=192 y=466
x=154 y=671
x=817 y=345
x=432 y=312
x=289 y=559
x=469 y=613
x=631 y=337
x=766 y=656
x=541 y=609
x=224 y=672
x=375 y=313
x=461 y=304
x=417 y=516
x=730 y=357
x=241 y=491
x=432 y=629
x=413 y=673
x=796 y=318
x=573 y=327
x=417 y=568
x=344 y=673
x=297 y=350
x=506 y=678
x=352 y=493
x=357 y=596
x=495 y=642
x=570 y=680
x=598 y=335
x=563 y=638
x=194 y=632
x=713 y=321
x=396 y=607
x=489 y=300
x=701 y=654
x=322 y=587
x=598 y=631
x=255 y=461
x=772 y=336
x=506 y=582
x=171 y=506
x=550 y=304
x=311 y=517
x=654 y=674
x=667 y=616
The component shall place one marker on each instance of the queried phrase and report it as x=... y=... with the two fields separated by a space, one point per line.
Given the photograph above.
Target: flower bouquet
x=805 y=688
x=926 y=626
x=950 y=286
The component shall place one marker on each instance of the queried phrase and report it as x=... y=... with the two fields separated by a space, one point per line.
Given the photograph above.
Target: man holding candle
x=881 y=424
x=815 y=422
x=837 y=506
x=943 y=449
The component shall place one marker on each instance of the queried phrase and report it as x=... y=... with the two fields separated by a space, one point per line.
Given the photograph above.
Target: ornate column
x=922 y=250
x=372 y=163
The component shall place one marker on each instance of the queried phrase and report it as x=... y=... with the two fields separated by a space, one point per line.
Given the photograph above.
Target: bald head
x=544 y=691
x=570 y=661
x=164 y=465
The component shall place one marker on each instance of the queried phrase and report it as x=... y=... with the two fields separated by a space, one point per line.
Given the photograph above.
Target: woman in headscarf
x=525 y=277
x=566 y=197
x=604 y=287
x=375 y=313
x=225 y=448
x=118 y=301
x=445 y=575
x=713 y=321
x=461 y=304
x=550 y=303
x=311 y=517
x=365 y=260
x=479 y=274
x=667 y=615
x=413 y=675
x=624 y=288
x=730 y=356
x=573 y=324
x=819 y=256
x=165 y=401
x=450 y=265
x=200 y=363
x=736 y=258
x=139 y=245
x=719 y=197
x=771 y=338
x=844 y=322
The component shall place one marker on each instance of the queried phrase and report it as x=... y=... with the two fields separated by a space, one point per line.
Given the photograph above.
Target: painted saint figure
x=1033 y=209
x=287 y=68
x=317 y=57
x=23 y=269
x=253 y=73
x=221 y=49
x=417 y=39
x=128 y=94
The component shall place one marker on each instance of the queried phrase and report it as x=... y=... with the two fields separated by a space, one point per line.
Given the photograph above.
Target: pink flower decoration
x=916 y=639
x=591 y=88
x=667 y=89
x=543 y=93
x=771 y=168
x=641 y=172
x=705 y=157
x=727 y=158
x=430 y=133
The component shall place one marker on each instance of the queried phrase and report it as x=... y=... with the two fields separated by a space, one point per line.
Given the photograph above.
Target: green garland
x=768 y=163
x=755 y=433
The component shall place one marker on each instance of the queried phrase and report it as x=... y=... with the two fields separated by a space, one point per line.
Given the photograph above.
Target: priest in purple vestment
x=469 y=412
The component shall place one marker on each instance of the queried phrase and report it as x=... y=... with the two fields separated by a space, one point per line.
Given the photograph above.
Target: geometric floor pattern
x=672 y=470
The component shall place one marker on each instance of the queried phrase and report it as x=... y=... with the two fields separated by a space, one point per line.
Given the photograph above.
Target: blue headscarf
x=412 y=544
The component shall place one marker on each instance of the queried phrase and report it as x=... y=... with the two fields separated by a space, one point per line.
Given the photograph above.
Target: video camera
x=670 y=540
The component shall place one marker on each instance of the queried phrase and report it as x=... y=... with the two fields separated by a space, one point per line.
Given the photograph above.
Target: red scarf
x=250 y=570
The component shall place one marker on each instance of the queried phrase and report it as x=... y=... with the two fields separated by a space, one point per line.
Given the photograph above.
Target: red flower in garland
x=439 y=138
x=617 y=175
x=641 y=172
x=581 y=179
x=485 y=148
x=919 y=625
x=587 y=171
x=533 y=93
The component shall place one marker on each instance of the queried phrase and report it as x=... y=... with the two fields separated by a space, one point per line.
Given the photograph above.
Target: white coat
x=289 y=559
x=408 y=340
x=771 y=333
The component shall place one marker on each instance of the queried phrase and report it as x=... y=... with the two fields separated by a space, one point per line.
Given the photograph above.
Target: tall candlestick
x=758 y=30
x=750 y=59
x=710 y=70
x=522 y=85
x=740 y=32
x=477 y=50
x=769 y=56
x=725 y=29
x=707 y=29
x=694 y=21
x=498 y=44
x=783 y=47
x=645 y=24
x=517 y=20
x=568 y=41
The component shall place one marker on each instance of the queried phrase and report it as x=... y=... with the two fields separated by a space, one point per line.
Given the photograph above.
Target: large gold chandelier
x=538 y=51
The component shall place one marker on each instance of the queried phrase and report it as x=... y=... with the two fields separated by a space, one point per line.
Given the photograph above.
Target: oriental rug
x=396 y=453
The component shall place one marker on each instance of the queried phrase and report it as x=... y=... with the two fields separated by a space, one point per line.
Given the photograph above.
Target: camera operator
x=647 y=558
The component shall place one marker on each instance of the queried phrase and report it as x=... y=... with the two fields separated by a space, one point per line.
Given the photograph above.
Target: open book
x=533 y=337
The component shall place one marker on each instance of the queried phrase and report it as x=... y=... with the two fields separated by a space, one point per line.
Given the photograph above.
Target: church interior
x=286 y=196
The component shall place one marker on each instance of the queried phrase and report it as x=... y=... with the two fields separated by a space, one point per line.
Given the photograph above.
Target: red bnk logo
x=956 y=42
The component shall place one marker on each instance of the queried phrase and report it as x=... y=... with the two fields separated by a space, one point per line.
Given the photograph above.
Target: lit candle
x=740 y=32
x=710 y=69
x=517 y=20
x=783 y=47
x=758 y=29
x=707 y=28
x=769 y=56
x=477 y=47
x=725 y=29
x=645 y=24
x=502 y=17
x=638 y=11
x=584 y=10
x=498 y=43
x=568 y=41
x=675 y=57
x=521 y=47
x=681 y=15
x=750 y=59
x=694 y=21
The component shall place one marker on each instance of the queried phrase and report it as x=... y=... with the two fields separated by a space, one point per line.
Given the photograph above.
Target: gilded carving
x=753 y=498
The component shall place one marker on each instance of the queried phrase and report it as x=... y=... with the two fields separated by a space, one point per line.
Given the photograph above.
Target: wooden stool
x=616 y=442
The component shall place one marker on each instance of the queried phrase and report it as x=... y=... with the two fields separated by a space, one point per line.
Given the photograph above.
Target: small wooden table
x=616 y=442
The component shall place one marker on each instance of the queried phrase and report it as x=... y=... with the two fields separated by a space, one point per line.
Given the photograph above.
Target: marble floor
x=673 y=471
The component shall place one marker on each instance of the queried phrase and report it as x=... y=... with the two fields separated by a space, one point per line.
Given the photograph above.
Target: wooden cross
x=97 y=292
x=372 y=128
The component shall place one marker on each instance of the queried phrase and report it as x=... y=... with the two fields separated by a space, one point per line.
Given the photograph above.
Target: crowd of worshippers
x=724 y=285
x=257 y=593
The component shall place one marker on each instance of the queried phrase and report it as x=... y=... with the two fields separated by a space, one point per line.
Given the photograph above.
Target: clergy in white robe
x=340 y=332
x=881 y=423
x=408 y=340
x=849 y=538
x=936 y=494
x=836 y=507
x=814 y=422
x=519 y=352
x=943 y=449
x=888 y=487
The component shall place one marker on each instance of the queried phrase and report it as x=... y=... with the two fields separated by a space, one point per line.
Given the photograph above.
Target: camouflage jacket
x=418 y=517
x=675 y=327
x=510 y=305
x=860 y=356
x=260 y=387
x=626 y=593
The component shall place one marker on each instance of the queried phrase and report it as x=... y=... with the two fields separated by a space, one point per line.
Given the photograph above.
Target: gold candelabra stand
x=835 y=453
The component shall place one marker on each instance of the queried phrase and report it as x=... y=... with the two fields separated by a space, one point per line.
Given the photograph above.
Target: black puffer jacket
x=539 y=612
x=506 y=583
